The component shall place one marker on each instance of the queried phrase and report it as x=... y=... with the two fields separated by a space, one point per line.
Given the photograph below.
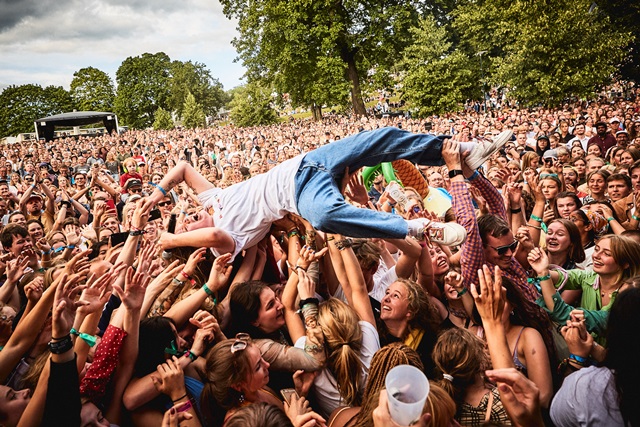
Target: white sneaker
x=444 y=233
x=485 y=149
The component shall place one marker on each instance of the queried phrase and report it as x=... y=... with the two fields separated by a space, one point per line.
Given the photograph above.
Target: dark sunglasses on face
x=163 y=204
x=135 y=190
x=501 y=250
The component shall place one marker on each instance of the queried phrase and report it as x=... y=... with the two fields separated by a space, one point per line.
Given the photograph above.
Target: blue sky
x=46 y=41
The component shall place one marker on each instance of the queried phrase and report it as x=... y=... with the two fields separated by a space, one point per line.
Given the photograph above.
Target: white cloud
x=45 y=43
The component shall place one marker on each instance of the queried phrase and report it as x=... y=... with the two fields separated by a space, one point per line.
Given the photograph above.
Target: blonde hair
x=343 y=342
x=626 y=253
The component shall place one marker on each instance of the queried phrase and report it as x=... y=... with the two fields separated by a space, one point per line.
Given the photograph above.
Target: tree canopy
x=195 y=78
x=21 y=105
x=317 y=51
x=92 y=90
x=143 y=87
x=252 y=105
x=192 y=113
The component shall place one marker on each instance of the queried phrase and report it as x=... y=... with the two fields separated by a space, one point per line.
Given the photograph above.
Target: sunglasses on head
x=501 y=250
x=241 y=342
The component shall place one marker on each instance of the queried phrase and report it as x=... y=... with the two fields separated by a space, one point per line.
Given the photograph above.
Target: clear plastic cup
x=407 y=389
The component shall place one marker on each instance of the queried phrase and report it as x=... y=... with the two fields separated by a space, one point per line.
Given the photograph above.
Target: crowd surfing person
x=148 y=280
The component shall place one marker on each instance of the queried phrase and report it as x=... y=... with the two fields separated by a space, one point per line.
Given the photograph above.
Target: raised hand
x=169 y=379
x=308 y=255
x=519 y=395
x=16 y=268
x=356 y=190
x=64 y=307
x=135 y=285
x=34 y=289
x=194 y=259
x=489 y=296
x=220 y=273
x=539 y=261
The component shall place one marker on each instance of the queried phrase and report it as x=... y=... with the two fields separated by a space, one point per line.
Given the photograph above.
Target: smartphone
x=117 y=238
x=154 y=214
x=287 y=393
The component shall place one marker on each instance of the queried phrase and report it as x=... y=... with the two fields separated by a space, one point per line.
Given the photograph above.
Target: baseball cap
x=133 y=183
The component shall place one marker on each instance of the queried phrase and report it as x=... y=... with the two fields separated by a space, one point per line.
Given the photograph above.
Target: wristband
x=635 y=217
x=462 y=292
x=206 y=289
x=46 y=252
x=178 y=282
x=536 y=218
x=61 y=346
x=579 y=359
x=610 y=219
x=71 y=246
x=185 y=275
x=309 y=301
x=516 y=211
x=543 y=278
x=192 y=356
x=473 y=176
x=89 y=339
x=136 y=233
x=162 y=190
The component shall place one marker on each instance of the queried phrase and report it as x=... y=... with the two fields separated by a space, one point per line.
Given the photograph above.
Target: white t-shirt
x=247 y=209
x=324 y=385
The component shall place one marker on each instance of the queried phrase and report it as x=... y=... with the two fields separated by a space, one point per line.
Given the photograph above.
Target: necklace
x=602 y=294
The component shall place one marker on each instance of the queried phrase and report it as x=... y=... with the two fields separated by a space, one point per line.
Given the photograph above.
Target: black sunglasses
x=501 y=250
x=163 y=204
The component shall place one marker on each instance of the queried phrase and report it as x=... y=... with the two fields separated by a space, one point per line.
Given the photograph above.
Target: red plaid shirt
x=473 y=250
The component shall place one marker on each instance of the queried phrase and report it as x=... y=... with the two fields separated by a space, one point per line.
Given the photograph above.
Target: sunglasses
x=163 y=204
x=501 y=250
x=135 y=190
x=241 y=342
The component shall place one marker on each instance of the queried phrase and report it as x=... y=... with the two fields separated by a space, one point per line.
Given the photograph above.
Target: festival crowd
x=127 y=297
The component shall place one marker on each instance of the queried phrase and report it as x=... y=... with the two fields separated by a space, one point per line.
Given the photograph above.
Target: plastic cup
x=407 y=389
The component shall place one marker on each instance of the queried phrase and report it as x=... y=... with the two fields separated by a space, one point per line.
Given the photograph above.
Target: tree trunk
x=356 y=93
x=316 y=111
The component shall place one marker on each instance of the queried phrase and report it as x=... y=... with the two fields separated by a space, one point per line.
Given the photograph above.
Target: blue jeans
x=317 y=181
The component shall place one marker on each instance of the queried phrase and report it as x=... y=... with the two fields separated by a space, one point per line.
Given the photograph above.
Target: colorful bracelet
x=579 y=359
x=462 y=292
x=610 y=219
x=635 y=217
x=293 y=232
x=162 y=190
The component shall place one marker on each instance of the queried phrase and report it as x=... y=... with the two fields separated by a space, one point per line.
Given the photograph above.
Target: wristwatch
x=455 y=172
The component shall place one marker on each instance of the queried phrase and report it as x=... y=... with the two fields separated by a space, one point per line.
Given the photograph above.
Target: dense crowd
x=252 y=277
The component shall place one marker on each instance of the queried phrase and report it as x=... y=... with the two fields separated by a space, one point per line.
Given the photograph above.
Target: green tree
x=21 y=105
x=252 y=105
x=195 y=78
x=542 y=51
x=143 y=87
x=162 y=119
x=193 y=115
x=311 y=49
x=437 y=78
x=625 y=15
x=92 y=90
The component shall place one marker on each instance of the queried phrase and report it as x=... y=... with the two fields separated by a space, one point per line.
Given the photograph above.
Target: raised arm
x=210 y=237
x=355 y=285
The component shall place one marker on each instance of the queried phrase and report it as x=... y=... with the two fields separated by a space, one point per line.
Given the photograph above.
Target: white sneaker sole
x=488 y=149
x=448 y=233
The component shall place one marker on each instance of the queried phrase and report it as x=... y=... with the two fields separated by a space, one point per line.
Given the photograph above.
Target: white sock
x=416 y=226
x=467 y=146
